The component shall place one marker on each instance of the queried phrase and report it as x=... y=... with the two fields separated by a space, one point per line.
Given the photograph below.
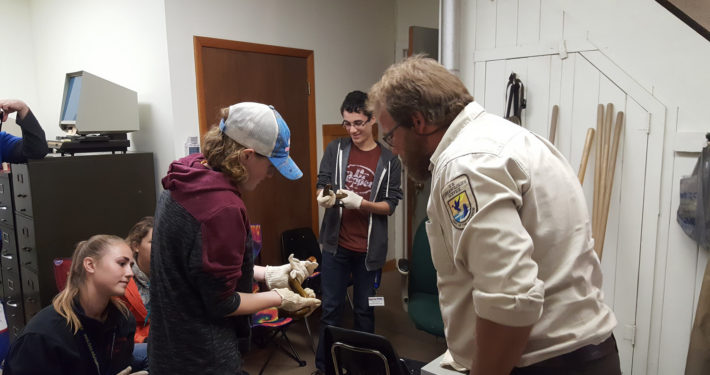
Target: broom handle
x=585 y=155
x=553 y=125
x=597 y=168
x=610 y=179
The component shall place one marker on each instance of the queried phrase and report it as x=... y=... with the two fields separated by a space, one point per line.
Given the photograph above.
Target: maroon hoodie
x=210 y=197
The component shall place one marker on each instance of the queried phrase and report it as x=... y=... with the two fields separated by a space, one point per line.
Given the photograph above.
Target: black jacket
x=386 y=187
x=49 y=346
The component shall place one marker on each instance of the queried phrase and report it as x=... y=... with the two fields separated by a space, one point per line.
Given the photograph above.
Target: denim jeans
x=338 y=271
x=140 y=357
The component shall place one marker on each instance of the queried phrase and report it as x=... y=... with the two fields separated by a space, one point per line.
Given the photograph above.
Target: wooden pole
x=610 y=180
x=553 y=125
x=585 y=155
x=606 y=144
x=597 y=169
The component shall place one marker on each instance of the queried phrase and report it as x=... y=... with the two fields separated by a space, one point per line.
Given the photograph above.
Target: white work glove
x=127 y=371
x=326 y=201
x=301 y=269
x=309 y=292
x=352 y=201
x=292 y=302
x=448 y=361
x=277 y=276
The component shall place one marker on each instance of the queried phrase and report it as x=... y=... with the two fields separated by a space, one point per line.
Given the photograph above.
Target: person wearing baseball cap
x=202 y=263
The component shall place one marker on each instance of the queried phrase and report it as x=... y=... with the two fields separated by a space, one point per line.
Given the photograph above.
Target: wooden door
x=229 y=72
x=332 y=132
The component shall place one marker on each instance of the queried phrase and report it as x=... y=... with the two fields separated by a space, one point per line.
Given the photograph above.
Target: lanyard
x=93 y=353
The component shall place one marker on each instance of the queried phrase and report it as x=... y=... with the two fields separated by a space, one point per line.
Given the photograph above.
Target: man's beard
x=416 y=160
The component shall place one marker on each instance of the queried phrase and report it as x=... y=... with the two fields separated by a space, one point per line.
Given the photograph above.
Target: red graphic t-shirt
x=359 y=178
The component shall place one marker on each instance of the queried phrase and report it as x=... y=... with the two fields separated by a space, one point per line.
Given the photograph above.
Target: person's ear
x=247 y=154
x=90 y=265
x=419 y=123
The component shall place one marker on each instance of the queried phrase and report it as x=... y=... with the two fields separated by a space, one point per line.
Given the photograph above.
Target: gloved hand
x=127 y=371
x=277 y=276
x=352 y=201
x=301 y=269
x=309 y=292
x=292 y=302
x=326 y=201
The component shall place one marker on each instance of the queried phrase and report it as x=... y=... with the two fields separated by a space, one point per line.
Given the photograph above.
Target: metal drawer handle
x=7 y=256
x=22 y=195
x=27 y=249
x=11 y=304
x=27 y=263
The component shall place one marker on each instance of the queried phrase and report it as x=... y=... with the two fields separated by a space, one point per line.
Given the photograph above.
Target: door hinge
x=308 y=86
x=628 y=333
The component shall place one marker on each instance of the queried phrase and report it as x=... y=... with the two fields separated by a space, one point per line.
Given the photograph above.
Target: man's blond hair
x=419 y=84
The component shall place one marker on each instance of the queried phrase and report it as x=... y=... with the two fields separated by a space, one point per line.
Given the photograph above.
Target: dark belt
x=581 y=355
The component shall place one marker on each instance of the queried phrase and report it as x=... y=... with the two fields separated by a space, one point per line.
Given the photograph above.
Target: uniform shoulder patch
x=459 y=199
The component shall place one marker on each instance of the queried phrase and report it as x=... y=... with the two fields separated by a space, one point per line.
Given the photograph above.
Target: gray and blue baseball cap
x=261 y=127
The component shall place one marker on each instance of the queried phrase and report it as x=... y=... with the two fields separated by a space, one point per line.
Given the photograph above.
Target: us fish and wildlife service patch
x=459 y=199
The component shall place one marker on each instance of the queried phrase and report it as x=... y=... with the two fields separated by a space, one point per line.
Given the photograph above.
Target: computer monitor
x=93 y=105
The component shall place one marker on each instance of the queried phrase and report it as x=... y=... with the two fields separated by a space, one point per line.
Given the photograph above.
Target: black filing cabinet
x=59 y=201
x=9 y=265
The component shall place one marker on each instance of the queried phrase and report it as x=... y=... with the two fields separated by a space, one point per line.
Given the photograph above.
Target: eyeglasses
x=387 y=137
x=357 y=123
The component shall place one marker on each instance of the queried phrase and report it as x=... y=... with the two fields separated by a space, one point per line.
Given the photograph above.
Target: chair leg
x=271 y=353
x=293 y=353
x=310 y=335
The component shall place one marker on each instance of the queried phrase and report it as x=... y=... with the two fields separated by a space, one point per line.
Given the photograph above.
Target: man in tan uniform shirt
x=519 y=281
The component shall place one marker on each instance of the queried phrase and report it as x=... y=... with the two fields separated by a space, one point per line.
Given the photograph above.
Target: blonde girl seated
x=86 y=329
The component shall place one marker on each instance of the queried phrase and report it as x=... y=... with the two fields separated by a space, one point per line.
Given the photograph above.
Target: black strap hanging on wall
x=515 y=92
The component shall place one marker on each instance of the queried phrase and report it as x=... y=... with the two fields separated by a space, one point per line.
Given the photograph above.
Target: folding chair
x=420 y=294
x=268 y=319
x=61 y=268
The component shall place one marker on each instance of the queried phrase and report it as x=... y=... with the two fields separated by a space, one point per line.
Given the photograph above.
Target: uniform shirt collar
x=468 y=114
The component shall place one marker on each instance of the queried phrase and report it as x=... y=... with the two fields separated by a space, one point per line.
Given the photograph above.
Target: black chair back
x=360 y=353
x=302 y=242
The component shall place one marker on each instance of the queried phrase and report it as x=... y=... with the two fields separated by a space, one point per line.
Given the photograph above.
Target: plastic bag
x=694 y=207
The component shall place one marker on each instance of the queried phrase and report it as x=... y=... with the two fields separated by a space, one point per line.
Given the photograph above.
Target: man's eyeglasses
x=357 y=123
x=387 y=137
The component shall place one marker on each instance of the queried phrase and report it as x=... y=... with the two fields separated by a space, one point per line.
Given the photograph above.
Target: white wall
x=670 y=60
x=352 y=44
x=17 y=62
x=123 y=42
x=667 y=59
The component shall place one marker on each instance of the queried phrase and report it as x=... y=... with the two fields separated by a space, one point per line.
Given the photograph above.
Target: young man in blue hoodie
x=202 y=264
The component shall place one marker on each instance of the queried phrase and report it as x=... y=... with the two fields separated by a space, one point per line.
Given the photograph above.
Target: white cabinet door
x=577 y=86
